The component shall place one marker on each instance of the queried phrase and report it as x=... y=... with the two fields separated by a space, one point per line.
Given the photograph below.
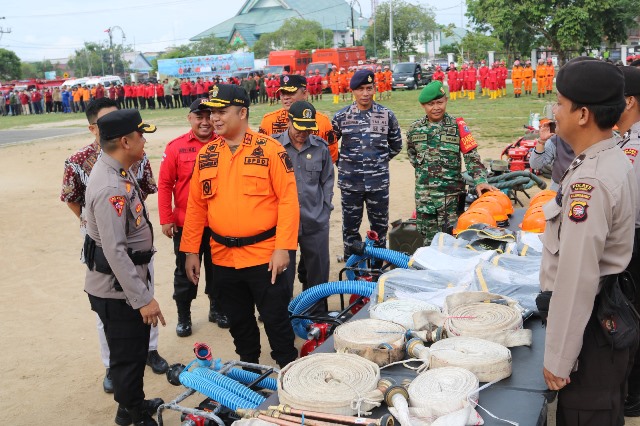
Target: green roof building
x=257 y=17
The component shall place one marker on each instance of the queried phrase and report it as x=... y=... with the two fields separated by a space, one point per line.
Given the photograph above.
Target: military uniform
x=434 y=151
x=369 y=140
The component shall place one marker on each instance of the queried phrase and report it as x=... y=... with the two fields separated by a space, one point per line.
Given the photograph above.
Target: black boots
x=107 y=383
x=158 y=364
x=139 y=416
x=183 y=329
x=216 y=316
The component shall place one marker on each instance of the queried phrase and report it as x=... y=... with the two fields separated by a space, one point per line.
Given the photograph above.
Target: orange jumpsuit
x=550 y=75
x=517 y=73
x=379 y=79
x=541 y=78
x=388 y=75
x=334 y=82
x=349 y=75
x=342 y=78
x=527 y=75
x=278 y=122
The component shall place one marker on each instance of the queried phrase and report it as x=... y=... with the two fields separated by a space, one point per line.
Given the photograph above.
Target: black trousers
x=241 y=291
x=168 y=101
x=142 y=101
x=128 y=340
x=177 y=100
x=151 y=103
x=183 y=289
x=634 y=269
x=598 y=388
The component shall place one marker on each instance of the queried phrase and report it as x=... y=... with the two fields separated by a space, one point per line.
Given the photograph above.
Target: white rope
x=400 y=311
x=332 y=383
x=376 y=340
x=489 y=361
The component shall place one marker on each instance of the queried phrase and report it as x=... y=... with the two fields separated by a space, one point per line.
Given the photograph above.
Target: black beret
x=589 y=81
x=224 y=95
x=631 y=81
x=122 y=122
x=361 y=77
x=292 y=82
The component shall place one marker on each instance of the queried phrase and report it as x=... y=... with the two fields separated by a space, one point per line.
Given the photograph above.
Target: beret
x=631 y=81
x=431 y=91
x=361 y=77
x=590 y=81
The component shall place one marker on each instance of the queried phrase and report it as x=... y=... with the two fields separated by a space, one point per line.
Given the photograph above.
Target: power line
x=89 y=12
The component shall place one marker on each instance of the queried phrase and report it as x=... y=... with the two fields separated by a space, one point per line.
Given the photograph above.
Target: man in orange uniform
x=388 y=79
x=550 y=75
x=541 y=77
x=516 y=76
x=334 y=82
x=342 y=80
x=527 y=76
x=293 y=88
x=379 y=80
x=244 y=187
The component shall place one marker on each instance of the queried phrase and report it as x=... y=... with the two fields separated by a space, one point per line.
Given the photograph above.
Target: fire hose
x=343 y=384
x=246 y=377
x=363 y=251
x=510 y=180
x=376 y=340
x=400 y=311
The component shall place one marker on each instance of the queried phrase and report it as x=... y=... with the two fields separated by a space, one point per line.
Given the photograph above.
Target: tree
x=36 y=69
x=558 y=25
x=412 y=24
x=95 y=59
x=296 y=34
x=9 y=65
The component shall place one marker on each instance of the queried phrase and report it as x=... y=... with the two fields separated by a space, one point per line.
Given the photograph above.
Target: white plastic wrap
x=496 y=279
x=530 y=239
x=448 y=258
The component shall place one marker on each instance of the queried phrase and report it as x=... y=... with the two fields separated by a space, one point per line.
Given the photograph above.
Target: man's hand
x=169 y=229
x=192 y=267
x=278 y=263
x=545 y=133
x=151 y=314
x=554 y=382
x=484 y=187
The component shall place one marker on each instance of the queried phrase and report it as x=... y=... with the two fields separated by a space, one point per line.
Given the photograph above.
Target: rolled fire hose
x=376 y=340
x=332 y=383
x=487 y=360
x=400 y=311
x=397 y=399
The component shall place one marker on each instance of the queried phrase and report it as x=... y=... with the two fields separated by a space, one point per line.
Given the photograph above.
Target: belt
x=243 y=241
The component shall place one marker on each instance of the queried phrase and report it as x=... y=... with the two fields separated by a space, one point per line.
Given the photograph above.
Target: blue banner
x=206 y=66
x=50 y=75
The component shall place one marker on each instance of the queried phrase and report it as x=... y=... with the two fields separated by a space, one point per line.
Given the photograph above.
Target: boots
x=140 y=415
x=183 y=329
x=216 y=316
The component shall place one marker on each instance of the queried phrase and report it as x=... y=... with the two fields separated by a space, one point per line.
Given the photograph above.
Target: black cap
x=224 y=95
x=631 y=81
x=591 y=82
x=361 y=77
x=292 y=82
x=200 y=105
x=303 y=115
x=122 y=122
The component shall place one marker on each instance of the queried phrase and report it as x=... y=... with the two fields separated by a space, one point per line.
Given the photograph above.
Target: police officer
x=173 y=183
x=434 y=145
x=118 y=250
x=629 y=125
x=243 y=186
x=588 y=235
x=314 y=180
x=370 y=139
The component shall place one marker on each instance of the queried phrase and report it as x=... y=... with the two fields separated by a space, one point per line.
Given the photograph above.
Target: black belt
x=243 y=241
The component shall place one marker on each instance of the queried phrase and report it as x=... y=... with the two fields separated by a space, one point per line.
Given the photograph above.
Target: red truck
x=324 y=59
x=287 y=60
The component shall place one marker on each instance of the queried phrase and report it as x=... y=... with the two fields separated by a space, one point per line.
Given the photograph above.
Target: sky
x=45 y=30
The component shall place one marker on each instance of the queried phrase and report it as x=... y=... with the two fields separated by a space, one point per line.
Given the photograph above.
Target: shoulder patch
x=578 y=211
x=247 y=139
x=118 y=201
x=581 y=187
x=286 y=161
x=467 y=142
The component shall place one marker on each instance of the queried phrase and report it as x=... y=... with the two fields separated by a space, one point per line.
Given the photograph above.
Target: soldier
x=541 y=77
x=433 y=141
x=118 y=250
x=527 y=75
x=370 y=139
x=313 y=170
x=176 y=169
x=516 y=77
x=588 y=236
x=293 y=88
x=629 y=125
x=243 y=186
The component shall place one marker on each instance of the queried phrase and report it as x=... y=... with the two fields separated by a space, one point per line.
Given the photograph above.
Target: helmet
x=470 y=217
x=542 y=197
x=534 y=222
x=502 y=198
x=534 y=209
x=494 y=207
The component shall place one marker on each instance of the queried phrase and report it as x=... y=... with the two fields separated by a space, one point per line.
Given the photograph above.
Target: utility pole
x=353 y=27
x=391 y=35
x=2 y=30
x=113 y=56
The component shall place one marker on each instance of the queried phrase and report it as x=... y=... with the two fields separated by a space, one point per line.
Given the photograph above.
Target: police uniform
x=313 y=170
x=248 y=197
x=370 y=139
x=588 y=235
x=434 y=150
x=118 y=249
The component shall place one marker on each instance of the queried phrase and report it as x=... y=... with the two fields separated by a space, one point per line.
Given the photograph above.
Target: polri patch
x=578 y=211
x=286 y=161
x=581 y=187
x=118 y=201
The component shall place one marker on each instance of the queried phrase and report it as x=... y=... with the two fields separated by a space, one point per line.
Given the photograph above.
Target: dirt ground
x=51 y=368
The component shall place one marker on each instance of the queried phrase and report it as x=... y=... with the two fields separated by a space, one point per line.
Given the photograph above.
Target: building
x=257 y=17
x=137 y=62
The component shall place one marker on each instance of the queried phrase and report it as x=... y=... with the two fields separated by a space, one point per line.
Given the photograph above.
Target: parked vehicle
x=290 y=60
x=324 y=59
x=409 y=75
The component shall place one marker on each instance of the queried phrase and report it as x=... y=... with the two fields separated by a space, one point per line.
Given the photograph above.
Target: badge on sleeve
x=117 y=201
x=286 y=161
x=578 y=211
x=206 y=187
x=467 y=142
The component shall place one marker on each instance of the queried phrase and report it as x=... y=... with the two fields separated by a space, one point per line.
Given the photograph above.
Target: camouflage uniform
x=369 y=140
x=434 y=151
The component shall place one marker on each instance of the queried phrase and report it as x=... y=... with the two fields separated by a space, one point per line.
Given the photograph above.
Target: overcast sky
x=41 y=29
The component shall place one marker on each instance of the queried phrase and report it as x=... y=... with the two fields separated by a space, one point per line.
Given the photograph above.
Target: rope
x=332 y=383
x=376 y=340
x=400 y=311
x=487 y=360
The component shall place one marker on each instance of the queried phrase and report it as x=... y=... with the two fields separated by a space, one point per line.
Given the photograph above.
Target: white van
x=75 y=82
x=106 y=81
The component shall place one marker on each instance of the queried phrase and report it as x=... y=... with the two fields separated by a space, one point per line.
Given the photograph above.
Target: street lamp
x=353 y=27
x=113 y=56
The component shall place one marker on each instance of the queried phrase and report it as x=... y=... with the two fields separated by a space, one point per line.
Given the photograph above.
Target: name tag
x=449 y=139
x=420 y=137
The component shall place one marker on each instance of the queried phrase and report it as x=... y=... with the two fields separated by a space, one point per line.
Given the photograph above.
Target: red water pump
x=318 y=333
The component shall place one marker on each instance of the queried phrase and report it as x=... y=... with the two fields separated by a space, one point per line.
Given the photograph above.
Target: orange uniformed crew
x=517 y=74
x=388 y=78
x=527 y=76
x=293 y=89
x=334 y=82
x=541 y=77
x=550 y=75
x=342 y=79
x=379 y=79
